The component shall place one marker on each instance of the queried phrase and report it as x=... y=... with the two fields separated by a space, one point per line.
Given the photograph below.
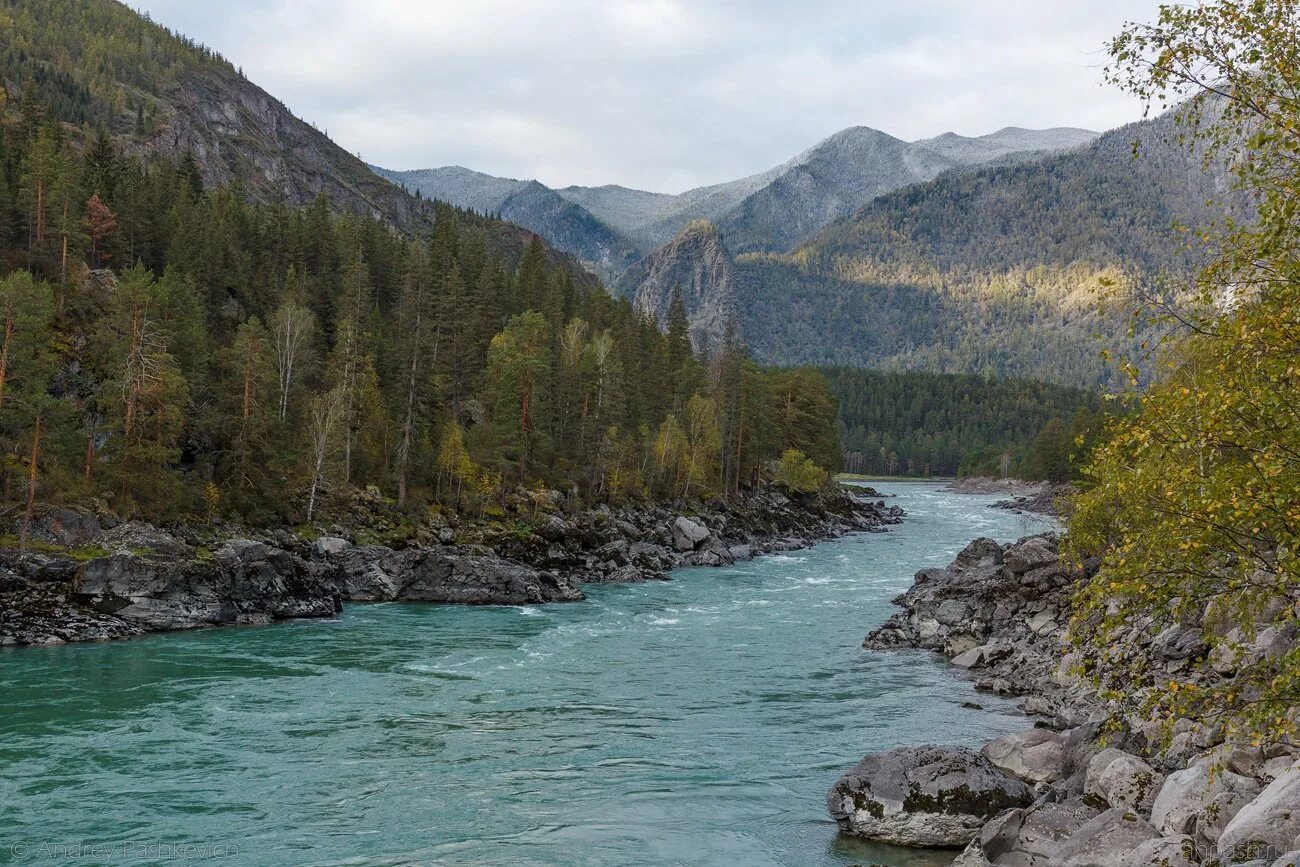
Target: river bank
x=692 y=721
x=1082 y=786
x=91 y=580
x=1035 y=498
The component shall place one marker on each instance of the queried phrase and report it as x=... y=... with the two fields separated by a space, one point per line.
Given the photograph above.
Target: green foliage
x=795 y=471
x=253 y=361
x=928 y=424
x=1192 y=504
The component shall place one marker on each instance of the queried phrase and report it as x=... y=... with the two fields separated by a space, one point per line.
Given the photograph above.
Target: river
x=696 y=721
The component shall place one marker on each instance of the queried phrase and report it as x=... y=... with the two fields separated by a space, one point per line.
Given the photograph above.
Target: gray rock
x=1026 y=837
x=1221 y=810
x=923 y=796
x=741 y=552
x=138 y=536
x=1290 y=859
x=1266 y=826
x=985 y=654
x=361 y=576
x=1037 y=755
x=432 y=575
x=1030 y=554
x=1186 y=794
x=687 y=534
x=1176 y=851
x=981 y=552
x=245 y=582
x=1122 y=780
x=327 y=546
x=1106 y=840
x=66 y=527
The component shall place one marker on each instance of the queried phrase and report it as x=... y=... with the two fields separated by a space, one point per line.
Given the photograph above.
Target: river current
x=695 y=721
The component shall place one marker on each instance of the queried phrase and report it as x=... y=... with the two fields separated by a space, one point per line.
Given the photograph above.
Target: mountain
x=563 y=223
x=1098 y=204
x=610 y=227
x=1005 y=142
x=992 y=270
x=772 y=210
x=698 y=264
x=98 y=63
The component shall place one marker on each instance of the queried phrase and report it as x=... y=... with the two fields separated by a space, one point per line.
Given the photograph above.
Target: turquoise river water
x=696 y=721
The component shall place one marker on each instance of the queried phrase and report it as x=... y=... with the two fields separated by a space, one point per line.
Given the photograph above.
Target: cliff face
x=697 y=263
x=239 y=132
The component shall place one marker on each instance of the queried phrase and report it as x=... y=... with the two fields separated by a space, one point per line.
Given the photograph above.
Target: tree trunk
x=31 y=482
x=408 y=424
x=4 y=353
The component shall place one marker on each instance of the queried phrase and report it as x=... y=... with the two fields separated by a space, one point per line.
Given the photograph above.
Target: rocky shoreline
x=1081 y=787
x=88 y=581
x=1035 y=498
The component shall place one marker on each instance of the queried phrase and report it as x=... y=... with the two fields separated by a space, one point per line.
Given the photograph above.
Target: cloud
x=660 y=94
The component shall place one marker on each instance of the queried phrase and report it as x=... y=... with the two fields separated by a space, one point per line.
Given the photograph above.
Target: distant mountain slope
x=1097 y=204
x=566 y=225
x=1006 y=141
x=97 y=62
x=772 y=210
x=611 y=226
x=990 y=271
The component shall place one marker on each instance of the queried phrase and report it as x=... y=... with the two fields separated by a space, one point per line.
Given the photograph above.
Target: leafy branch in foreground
x=1194 y=502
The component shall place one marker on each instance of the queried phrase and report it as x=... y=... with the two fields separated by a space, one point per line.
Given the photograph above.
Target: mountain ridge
x=767 y=211
x=993 y=270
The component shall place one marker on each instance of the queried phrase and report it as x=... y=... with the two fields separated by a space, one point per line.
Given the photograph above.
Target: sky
x=661 y=95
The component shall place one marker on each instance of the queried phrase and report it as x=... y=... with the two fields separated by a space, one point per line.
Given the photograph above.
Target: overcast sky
x=660 y=94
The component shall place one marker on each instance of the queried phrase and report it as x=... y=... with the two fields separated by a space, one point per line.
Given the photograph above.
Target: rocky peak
x=698 y=263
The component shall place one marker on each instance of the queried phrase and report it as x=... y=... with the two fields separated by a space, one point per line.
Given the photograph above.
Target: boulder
x=1025 y=837
x=1177 y=851
x=687 y=534
x=1221 y=810
x=360 y=577
x=1037 y=755
x=432 y=575
x=1030 y=553
x=66 y=527
x=244 y=582
x=1186 y=794
x=327 y=546
x=1122 y=780
x=139 y=536
x=1266 y=826
x=985 y=654
x=1106 y=840
x=981 y=552
x=1290 y=859
x=923 y=796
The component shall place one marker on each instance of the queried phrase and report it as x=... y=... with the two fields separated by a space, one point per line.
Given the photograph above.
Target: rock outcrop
x=136 y=578
x=923 y=796
x=1107 y=791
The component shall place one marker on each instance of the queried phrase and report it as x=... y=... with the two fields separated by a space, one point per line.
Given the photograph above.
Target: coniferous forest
x=173 y=350
x=927 y=424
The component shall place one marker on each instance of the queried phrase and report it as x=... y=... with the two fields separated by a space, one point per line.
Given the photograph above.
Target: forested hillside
x=926 y=424
x=171 y=347
x=1103 y=204
x=997 y=271
x=96 y=64
x=1039 y=323
x=564 y=224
